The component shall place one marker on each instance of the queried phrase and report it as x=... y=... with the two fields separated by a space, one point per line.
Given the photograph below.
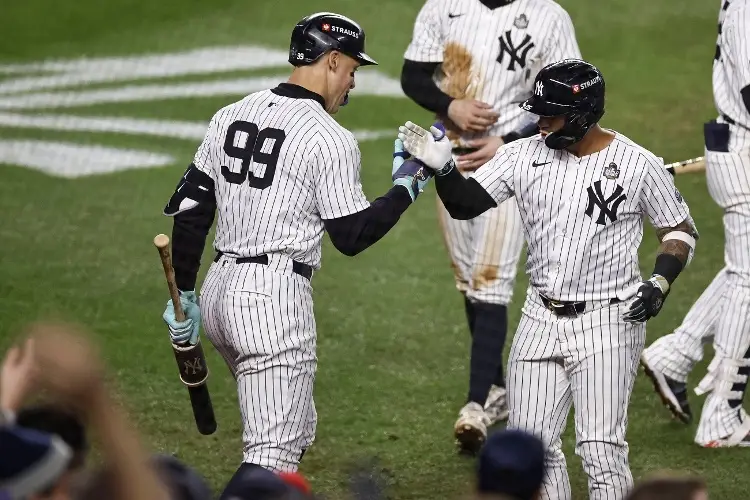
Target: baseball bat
x=687 y=166
x=191 y=361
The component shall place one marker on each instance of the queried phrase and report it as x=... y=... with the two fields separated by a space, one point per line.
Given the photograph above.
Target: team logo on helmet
x=539 y=89
x=612 y=171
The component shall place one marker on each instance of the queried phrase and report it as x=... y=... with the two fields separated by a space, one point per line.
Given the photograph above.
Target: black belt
x=732 y=122
x=568 y=309
x=300 y=268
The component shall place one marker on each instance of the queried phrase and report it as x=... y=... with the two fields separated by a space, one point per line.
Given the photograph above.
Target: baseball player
x=582 y=193
x=722 y=312
x=501 y=44
x=278 y=170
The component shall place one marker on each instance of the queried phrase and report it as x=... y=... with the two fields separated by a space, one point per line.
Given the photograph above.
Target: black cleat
x=672 y=393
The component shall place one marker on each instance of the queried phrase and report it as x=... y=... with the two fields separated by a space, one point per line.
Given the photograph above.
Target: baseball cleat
x=471 y=427
x=496 y=406
x=672 y=393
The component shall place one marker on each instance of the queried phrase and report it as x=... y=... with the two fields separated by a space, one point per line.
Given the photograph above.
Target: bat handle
x=162 y=244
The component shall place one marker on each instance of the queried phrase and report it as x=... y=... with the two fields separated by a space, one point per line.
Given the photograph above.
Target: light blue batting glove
x=184 y=332
x=411 y=174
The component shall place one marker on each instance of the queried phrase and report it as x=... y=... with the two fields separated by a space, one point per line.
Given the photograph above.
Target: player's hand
x=429 y=147
x=411 y=174
x=471 y=115
x=17 y=376
x=184 y=332
x=648 y=300
x=488 y=146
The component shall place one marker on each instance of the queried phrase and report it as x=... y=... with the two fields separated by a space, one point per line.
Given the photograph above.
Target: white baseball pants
x=589 y=362
x=721 y=314
x=260 y=318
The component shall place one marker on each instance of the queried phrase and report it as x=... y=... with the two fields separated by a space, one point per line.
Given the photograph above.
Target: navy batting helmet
x=319 y=33
x=571 y=88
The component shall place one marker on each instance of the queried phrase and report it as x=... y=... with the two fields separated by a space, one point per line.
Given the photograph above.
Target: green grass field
x=393 y=344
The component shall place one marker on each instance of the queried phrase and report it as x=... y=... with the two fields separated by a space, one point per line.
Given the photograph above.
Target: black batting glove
x=648 y=300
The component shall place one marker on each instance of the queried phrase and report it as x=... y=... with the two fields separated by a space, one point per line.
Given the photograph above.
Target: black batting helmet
x=572 y=88
x=319 y=33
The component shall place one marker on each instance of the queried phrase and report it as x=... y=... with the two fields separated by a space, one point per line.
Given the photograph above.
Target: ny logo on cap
x=539 y=89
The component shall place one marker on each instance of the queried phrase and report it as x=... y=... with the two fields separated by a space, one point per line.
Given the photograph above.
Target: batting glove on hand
x=431 y=148
x=411 y=174
x=648 y=301
x=184 y=332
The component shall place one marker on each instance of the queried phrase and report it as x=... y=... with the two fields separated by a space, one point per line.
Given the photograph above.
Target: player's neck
x=594 y=141
x=307 y=77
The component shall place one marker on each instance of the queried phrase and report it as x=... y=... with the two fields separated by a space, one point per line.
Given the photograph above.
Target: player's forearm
x=418 y=85
x=673 y=253
x=354 y=233
x=463 y=198
x=189 y=234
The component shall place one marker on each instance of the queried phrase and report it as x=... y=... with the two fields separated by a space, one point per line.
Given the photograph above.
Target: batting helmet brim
x=540 y=107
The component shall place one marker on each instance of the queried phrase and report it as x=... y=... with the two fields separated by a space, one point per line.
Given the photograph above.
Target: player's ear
x=334 y=60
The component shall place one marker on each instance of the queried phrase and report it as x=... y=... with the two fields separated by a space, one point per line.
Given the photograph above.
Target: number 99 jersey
x=279 y=165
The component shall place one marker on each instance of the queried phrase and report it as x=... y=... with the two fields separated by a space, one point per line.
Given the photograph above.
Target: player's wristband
x=669 y=266
x=446 y=168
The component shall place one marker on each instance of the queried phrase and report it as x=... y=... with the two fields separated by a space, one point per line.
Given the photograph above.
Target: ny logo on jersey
x=516 y=53
x=607 y=206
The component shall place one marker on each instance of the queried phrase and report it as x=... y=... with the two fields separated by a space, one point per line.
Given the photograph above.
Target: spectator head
x=61 y=423
x=511 y=463
x=670 y=488
x=33 y=464
x=181 y=481
x=257 y=483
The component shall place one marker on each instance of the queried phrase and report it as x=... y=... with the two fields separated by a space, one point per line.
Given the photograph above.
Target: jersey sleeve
x=427 y=37
x=561 y=42
x=496 y=176
x=660 y=200
x=737 y=32
x=206 y=156
x=338 y=189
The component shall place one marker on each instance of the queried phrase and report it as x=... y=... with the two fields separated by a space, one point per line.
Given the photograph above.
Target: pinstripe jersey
x=280 y=165
x=508 y=45
x=583 y=217
x=731 y=70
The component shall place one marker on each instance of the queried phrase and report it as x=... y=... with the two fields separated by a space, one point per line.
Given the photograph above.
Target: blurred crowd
x=55 y=399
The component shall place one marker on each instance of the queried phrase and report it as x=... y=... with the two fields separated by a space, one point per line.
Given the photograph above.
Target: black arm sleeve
x=463 y=198
x=417 y=83
x=189 y=233
x=354 y=233
x=746 y=97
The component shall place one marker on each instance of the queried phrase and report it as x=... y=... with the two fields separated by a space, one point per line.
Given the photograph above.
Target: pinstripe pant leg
x=497 y=240
x=539 y=396
x=728 y=178
x=457 y=238
x=602 y=354
x=677 y=353
x=212 y=313
x=268 y=319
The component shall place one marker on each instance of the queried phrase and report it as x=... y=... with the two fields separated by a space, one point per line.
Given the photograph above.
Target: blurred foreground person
x=61 y=361
x=670 y=488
